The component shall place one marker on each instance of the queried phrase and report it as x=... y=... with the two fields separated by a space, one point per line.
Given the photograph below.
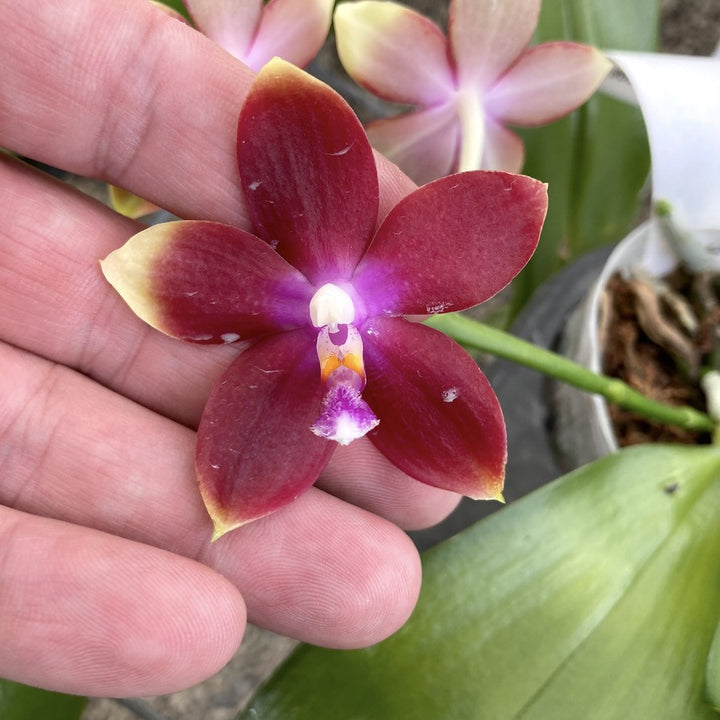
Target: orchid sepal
x=423 y=143
x=229 y=23
x=298 y=185
x=291 y=29
x=484 y=38
x=546 y=83
x=254 y=32
x=374 y=35
x=181 y=278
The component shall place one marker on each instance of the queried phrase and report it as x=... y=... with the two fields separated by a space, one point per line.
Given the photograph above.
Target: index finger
x=155 y=112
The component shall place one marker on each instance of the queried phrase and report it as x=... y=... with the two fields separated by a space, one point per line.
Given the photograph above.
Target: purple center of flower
x=345 y=416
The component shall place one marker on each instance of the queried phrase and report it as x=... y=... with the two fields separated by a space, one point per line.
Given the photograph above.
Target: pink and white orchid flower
x=466 y=87
x=320 y=293
x=255 y=32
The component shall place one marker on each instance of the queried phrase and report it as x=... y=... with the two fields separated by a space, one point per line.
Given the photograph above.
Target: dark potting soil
x=658 y=337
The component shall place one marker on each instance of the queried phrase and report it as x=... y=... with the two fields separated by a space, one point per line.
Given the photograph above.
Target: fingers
x=397 y=497
x=320 y=570
x=120 y=90
x=88 y=613
x=56 y=303
x=155 y=112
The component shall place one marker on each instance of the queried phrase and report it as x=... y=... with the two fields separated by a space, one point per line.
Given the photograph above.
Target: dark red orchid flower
x=322 y=299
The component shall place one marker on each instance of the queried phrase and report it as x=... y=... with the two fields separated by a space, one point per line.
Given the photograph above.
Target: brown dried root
x=663 y=330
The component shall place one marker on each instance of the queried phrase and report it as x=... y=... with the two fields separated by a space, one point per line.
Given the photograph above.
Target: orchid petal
x=230 y=23
x=547 y=82
x=422 y=143
x=452 y=244
x=307 y=172
x=292 y=29
x=393 y=51
x=346 y=417
x=486 y=37
x=440 y=421
x=503 y=148
x=207 y=282
x=255 y=449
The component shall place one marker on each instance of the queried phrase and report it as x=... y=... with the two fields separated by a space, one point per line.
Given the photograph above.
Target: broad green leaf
x=595 y=597
x=713 y=671
x=595 y=161
x=21 y=702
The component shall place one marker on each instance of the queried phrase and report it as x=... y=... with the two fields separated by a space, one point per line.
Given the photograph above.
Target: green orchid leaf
x=595 y=161
x=595 y=597
x=21 y=702
x=713 y=671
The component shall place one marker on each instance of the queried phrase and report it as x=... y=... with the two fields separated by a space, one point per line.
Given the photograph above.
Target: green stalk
x=496 y=342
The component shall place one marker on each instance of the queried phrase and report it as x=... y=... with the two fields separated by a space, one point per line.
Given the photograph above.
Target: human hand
x=109 y=584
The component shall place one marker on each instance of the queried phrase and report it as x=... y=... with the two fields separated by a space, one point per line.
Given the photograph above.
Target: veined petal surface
x=394 y=51
x=452 y=244
x=255 y=450
x=547 y=82
x=207 y=282
x=422 y=143
x=503 y=149
x=230 y=23
x=440 y=421
x=487 y=35
x=291 y=29
x=307 y=172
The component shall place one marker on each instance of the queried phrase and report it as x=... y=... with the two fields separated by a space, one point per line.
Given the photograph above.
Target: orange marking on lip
x=329 y=365
x=355 y=363
x=351 y=361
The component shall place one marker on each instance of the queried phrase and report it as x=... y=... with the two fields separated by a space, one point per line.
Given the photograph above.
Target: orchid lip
x=345 y=416
x=341 y=350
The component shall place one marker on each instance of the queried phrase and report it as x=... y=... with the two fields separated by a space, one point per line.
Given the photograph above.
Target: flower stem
x=472 y=130
x=496 y=342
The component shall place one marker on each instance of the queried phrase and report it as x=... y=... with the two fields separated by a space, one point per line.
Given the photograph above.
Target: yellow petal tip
x=218 y=531
x=129 y=204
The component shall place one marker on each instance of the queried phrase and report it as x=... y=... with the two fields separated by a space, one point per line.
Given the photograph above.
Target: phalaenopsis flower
x=467 y=86
x=321 y=294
